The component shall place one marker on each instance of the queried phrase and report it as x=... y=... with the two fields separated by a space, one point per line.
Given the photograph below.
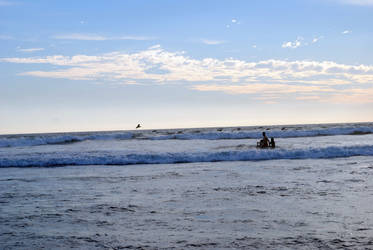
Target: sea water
x=207 y=188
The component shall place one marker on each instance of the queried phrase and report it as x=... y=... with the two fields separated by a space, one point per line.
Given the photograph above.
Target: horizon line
x=176 y=128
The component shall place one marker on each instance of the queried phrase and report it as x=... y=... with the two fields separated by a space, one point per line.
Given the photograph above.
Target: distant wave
x=117 y=158
x=270 y=133
x=183 y=134
x=51 y=139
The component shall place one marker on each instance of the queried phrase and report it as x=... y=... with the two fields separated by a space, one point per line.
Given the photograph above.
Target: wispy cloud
x=157 y=46
x=30 y=50
x=96 y=37
x=316 y=39
x=346 y=32
x=261 y=88
x=293 y=45
x=234 y=21
x=300 y=80
x=77 y=36
x=212 y=42
x=137 y=38
x=300 y=42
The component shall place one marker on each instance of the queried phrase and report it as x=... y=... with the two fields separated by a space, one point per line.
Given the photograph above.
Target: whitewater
x=195 y=188
x=185 y=145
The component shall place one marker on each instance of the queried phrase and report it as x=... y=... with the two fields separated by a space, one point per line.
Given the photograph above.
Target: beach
x=206 y=125
x=115 y=192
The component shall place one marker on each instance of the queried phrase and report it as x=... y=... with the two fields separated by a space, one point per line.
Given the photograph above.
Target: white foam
x=118 y=158
x=189 y=134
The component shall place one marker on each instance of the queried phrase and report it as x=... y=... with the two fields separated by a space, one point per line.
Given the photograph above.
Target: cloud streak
x=301 y=80
x=30 y=50
x=212 y=42
x=316 y=39
x=96 y=37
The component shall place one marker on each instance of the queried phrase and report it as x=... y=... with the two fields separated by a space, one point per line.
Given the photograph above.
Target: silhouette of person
x=263 y=143
x=272 y=144
x=138 y=126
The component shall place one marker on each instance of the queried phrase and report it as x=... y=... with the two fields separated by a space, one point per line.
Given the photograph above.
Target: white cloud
x=353 y=96
x=30 y=50
x=157 y=46
x=234 y=21
x=212 y=42
x=261 y=88
x=294 y=44
x=277 y=78
x=300 y=42
x=316 y=39
x=96 y=37
x=346 y=32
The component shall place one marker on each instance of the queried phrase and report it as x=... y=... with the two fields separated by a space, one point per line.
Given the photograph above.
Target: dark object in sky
x=138 y=126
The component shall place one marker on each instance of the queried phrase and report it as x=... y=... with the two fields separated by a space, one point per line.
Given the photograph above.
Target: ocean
x=204 y=188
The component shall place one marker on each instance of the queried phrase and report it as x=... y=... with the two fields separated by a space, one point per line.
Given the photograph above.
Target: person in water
x=272 y=144
x=264 y=143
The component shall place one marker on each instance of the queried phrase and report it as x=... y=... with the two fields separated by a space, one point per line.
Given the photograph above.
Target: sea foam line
x=116 y=158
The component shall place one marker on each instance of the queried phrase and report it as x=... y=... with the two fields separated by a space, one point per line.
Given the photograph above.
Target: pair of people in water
x=265 y=142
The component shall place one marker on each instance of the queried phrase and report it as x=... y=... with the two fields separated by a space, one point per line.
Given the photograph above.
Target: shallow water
x=135 y=151
x=273 y=204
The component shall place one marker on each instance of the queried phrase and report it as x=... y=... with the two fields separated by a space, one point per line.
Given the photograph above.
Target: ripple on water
x=302 y=242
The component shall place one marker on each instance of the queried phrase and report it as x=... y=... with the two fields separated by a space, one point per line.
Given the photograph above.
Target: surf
x=232 y=133
x=54 y=159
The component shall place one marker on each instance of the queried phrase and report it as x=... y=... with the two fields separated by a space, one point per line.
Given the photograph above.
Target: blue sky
x=104 y=65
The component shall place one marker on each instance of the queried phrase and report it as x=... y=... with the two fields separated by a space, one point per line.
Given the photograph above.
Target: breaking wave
x=186 y=134
x=117 y=158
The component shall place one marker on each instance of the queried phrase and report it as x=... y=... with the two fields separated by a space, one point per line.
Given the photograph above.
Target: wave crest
x=116 y=158
x=185 y=134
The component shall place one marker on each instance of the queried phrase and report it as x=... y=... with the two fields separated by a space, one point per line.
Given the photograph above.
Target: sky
x=109 y=65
